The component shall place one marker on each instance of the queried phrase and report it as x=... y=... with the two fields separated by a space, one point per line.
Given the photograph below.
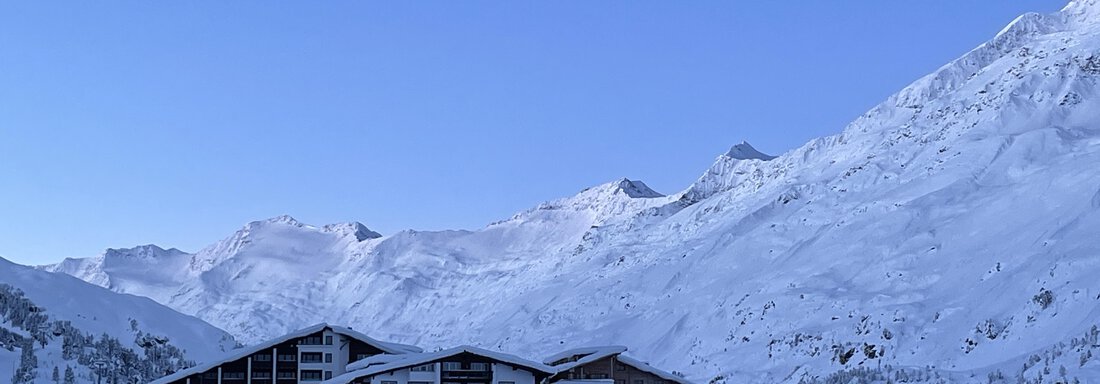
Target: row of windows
x=306 y=375
x=316 y=357
x=306 y=358
x=423 y=368
x=233 y=375
x=255 y=375
x=640 y=381
x=315 y=340
x=316 y=375
x=456 y=366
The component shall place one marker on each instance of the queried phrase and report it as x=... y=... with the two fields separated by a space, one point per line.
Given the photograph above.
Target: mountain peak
x=282 y=219
x=745 y=151
x=635 y=189
x=354 y=228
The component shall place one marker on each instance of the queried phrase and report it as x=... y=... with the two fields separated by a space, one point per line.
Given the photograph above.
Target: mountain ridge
x=868 y=248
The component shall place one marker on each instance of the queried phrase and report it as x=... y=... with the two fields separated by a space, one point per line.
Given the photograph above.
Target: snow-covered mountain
x=951 y=233
x=64 y=322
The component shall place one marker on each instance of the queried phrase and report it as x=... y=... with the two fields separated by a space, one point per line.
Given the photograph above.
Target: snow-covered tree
x=70 y=377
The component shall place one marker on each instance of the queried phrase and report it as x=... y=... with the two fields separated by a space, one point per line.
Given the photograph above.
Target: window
x=328 y=375
x=286 y=374
x=479 y=367
x=261 y=374
x=423 y=368
x=328 y=357
x=388 y=382
x=452 y=366
x=233 y=375
x=620 y=367
x=288 y=358
x=310 y=340
x=311 y=357
x=328 y=340
x=311 y=375
x=506 y=382
x=261 y=358
x=212 y=375
x=361 y=356
x=639 y=381
x=599 y=376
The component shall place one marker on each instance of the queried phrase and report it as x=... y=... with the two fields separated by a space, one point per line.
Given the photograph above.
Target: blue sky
x=174 y=123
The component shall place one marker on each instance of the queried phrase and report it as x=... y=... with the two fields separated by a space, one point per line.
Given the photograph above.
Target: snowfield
x=95 y=311
x=950 y=234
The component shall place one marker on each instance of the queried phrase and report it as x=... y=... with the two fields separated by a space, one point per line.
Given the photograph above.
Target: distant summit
x=355 y=228
x=636 y=189
x=745 y=151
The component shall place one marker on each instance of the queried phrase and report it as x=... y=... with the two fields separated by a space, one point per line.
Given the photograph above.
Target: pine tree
x=56 y=375
x=27 y=364
x=70 y=378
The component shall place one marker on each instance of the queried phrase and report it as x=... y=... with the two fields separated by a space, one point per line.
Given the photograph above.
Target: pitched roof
x=385 y=346
x=375 y=360
x=241 y=353
x=645 y=367
x=590 y=354
x=368 y=367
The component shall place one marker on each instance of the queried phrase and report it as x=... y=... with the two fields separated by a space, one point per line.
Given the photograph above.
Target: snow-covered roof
x=241 y=353
x=360 y=369
x=590 y=354
x=594 y=353
x=645 y=367
x=385 y=346
x=376 y=360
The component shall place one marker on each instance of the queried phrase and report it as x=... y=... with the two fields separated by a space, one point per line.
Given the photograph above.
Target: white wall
x=505 y=372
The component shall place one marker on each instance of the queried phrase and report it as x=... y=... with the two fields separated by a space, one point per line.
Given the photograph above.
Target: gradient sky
x=174 y=123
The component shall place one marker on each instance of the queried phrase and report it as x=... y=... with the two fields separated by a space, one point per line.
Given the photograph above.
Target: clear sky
x=174 y=123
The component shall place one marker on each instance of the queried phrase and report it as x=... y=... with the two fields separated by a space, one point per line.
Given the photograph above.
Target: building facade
x=327 y=354
x=313 y=354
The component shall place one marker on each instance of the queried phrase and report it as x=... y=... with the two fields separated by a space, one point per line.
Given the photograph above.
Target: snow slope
x=950 y=233
x=95 y=311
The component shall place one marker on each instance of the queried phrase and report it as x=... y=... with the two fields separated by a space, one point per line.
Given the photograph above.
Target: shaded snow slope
x=950 y=231
x=95 y=311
